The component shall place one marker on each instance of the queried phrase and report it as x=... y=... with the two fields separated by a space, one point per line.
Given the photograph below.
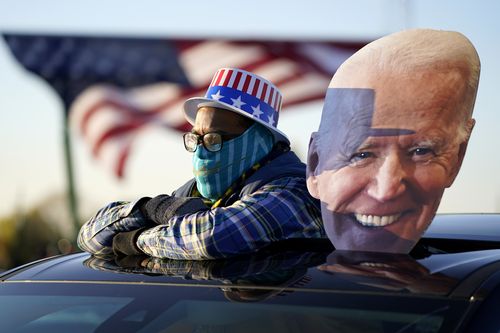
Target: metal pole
x=71 y=189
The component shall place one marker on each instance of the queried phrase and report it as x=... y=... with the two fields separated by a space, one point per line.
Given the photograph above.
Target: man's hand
x=124 y=243
x=163 y=207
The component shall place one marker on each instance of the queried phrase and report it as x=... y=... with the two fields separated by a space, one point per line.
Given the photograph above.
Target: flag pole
x=70 y=179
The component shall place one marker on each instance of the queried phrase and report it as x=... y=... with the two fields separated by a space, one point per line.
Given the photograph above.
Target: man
x=395 y=125
x=249 y=189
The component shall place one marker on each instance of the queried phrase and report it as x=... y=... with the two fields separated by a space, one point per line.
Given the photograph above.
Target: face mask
x=216 y=171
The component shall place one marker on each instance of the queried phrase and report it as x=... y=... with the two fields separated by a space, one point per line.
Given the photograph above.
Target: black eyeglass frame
x=202 y=139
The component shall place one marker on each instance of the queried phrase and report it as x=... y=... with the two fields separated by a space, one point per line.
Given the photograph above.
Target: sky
x=31 y=118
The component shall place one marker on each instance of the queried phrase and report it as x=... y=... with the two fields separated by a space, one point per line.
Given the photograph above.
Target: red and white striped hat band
x=242 y=92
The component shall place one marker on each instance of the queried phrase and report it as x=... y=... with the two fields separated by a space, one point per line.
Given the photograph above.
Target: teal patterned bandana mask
x=216 y=171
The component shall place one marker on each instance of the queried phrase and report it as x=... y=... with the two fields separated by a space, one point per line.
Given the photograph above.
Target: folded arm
x=279 y=210
x=96 y=235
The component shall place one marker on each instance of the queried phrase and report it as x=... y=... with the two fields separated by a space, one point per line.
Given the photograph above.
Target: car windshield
x=150 y=307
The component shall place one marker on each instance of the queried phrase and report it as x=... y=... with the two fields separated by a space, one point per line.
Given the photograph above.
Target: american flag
x=114 y=88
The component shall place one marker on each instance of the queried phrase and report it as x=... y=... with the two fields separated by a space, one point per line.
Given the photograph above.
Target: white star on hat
x=271 y=120
x=238 y=103
x=256 y=111
x=217 y=95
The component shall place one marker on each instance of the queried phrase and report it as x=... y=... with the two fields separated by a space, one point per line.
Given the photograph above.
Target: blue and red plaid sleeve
x=96 y=235
x=279 y=210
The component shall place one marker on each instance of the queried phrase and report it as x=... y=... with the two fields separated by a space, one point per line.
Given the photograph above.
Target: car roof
x=461 y=267
x=471 y=227
x=434 y=269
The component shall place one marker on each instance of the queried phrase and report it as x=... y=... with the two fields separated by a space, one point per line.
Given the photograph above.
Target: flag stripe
x=227 y=77
x=237 y=79
x=219 y=77
x=122 y=160
x=262 y=90
x=230 y=83
x=256 y=89
x=246 y=83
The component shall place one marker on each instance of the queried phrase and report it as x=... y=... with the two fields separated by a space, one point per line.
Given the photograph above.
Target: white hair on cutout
x=425 y=49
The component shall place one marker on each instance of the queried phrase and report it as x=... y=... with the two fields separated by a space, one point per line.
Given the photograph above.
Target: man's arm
x=96 y=235
x=279 y=210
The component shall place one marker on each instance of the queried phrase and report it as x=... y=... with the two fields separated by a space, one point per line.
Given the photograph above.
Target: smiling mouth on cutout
x=374 y=221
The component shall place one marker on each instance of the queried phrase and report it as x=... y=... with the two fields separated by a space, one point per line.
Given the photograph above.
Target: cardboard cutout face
x=382 y=159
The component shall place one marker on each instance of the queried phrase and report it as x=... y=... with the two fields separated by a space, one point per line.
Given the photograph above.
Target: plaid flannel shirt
x=279 y=210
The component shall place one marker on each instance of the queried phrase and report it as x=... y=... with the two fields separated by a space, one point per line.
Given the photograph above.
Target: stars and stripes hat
x=242 y=92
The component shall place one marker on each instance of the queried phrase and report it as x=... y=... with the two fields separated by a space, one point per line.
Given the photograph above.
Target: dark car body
x=449 y=283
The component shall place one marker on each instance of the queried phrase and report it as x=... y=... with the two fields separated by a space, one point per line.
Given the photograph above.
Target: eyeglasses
x=211 y=141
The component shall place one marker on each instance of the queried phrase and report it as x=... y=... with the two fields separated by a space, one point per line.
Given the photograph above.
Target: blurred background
x=35 y=220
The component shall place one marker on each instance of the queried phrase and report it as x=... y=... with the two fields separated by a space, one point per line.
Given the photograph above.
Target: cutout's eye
x=360 y=158
x=422 y=153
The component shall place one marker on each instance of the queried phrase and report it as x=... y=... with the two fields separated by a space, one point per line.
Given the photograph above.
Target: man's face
x=224 y=122
x=385 y=161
